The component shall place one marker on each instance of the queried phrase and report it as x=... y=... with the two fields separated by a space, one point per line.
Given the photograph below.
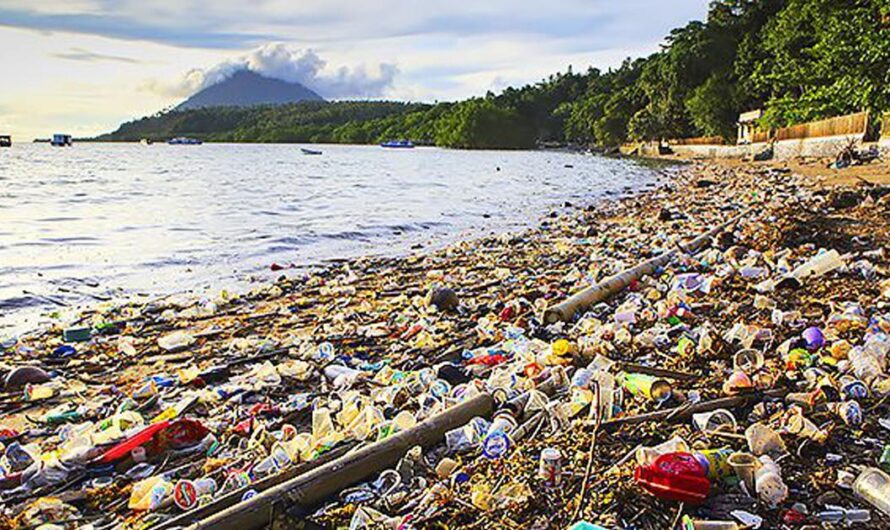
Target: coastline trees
x=799 y=60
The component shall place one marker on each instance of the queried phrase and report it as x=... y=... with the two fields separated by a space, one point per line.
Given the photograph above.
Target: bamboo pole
x=566 y=311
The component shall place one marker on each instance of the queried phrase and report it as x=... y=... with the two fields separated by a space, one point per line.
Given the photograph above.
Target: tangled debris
x=742 y=386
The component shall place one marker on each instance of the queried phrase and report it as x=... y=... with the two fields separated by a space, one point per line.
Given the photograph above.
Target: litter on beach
x=694 y=356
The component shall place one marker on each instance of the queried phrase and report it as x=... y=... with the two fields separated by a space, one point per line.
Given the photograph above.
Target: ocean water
x=97 y=221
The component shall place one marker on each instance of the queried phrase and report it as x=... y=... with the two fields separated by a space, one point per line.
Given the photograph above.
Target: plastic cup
x=720 y=419
x=744 y=465
x=762 y=440
x=748 y=360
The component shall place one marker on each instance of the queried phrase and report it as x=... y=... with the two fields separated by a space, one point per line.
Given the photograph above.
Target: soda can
x=550 y=467
x=187 y=492
x=715 y=462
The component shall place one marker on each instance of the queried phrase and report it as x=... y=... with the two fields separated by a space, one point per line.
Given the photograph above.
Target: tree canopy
x=799 y=60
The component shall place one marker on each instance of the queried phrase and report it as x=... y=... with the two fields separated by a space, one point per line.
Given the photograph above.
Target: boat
x=146 y=141
x=309 y=151
x=5 y=141
x=404 y=144
x=61 y=140
x=182 y=140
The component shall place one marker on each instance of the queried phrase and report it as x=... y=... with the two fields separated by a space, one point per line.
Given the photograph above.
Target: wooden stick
x=609 y=287
x=684 y=412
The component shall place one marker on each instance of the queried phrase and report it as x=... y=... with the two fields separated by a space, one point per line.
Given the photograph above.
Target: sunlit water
x=97 y=220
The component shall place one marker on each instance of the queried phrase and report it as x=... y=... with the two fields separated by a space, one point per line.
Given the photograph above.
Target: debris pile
x=740 y=383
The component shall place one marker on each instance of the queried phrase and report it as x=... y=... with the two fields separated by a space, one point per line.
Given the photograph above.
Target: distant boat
x=182 y=140
x=5 y=141
x=61 y=140
x=404 y=144
x=309 y=151
x=145 y=141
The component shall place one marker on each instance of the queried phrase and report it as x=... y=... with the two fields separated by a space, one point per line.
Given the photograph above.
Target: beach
x=239 y=389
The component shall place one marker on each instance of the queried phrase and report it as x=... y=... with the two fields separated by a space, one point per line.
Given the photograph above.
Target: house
x=61 y=140
x=748 y=126
x=5 y=141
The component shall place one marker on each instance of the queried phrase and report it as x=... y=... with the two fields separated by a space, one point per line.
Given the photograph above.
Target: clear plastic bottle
x=873 y=485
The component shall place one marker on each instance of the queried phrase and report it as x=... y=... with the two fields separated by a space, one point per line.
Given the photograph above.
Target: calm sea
x=93 y=221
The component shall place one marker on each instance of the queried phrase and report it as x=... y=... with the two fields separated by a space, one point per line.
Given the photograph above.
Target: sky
x=82 y=67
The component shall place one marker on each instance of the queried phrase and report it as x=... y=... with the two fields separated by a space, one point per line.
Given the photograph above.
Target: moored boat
x=61 y=140
x=5 y=140
x=404 y=144
x=182 y=140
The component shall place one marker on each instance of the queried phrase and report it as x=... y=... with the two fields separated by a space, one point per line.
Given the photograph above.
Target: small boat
x=309 y=151
x=5 y=141
x=61 y=140
x=182 y=140
x=404 y=144
x=146 y=141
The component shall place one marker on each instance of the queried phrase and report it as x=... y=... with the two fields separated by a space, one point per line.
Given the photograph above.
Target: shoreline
x=375 y=310
x=30 y=313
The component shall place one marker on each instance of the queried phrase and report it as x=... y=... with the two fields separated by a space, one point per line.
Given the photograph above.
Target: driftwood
x=658 y=372
x=233 y=498
x=309 y=484
x=607 y=288
x=684 y=412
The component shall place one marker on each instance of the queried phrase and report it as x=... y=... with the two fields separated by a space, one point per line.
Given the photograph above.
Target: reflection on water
x=99 y=220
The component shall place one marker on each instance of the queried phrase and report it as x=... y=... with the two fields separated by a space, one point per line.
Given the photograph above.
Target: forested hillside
x=799 y=60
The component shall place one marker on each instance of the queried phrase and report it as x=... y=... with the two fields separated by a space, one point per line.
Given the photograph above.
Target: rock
x=443 y=298
x=845 y=199
x=704 y=183
x=24 y=375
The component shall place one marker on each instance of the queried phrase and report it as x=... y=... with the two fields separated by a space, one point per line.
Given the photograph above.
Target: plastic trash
x=716 y=420
x=150 y=494
x=675 y=476
x=764 y=440
x=744 y=465
x=873 y=486
x=647 y=386
x=648 y=455
x=176 y=341
x=768 y=482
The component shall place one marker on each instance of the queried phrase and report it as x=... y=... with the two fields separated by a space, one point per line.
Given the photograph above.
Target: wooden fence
x=842 y=125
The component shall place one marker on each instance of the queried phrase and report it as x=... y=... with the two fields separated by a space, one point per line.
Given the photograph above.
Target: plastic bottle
x=873 y=486
x=647 y=455
x=866 y=367
x=818 y=265
x=768 y=482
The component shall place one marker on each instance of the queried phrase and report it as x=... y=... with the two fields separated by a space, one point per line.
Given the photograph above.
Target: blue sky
x=83 y=66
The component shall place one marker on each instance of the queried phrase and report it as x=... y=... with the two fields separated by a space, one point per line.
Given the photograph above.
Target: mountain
x=245 y=88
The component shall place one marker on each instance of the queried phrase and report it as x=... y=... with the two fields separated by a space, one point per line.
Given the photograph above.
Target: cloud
x=131 y=28
x=80 y=54
x=279 y=61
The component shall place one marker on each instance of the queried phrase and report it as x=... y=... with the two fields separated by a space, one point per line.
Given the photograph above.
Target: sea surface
x=84 y=224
